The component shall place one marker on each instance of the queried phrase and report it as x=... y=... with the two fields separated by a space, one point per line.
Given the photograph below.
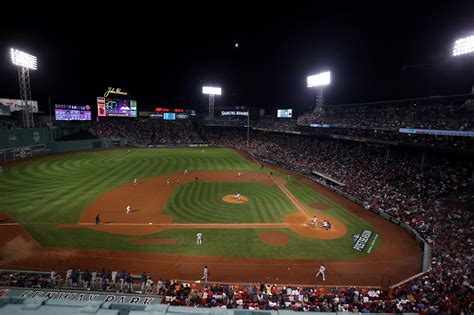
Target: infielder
x=135 y=181
x=129 y=209
x=185 y=171
x=239 y=174
x=199 y=238
x=321 y=271
x=314 y=222
x=168 y=182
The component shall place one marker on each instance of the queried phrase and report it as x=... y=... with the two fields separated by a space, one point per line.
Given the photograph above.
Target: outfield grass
x=202 y=203
x=56 y=189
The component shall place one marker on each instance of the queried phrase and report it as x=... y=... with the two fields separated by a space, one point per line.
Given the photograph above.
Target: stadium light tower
x=25 y=62
x=464 y=46
x=211 y=91
x=319 y=81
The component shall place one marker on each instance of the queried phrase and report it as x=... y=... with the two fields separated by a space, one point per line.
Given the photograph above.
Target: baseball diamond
x=269 y=233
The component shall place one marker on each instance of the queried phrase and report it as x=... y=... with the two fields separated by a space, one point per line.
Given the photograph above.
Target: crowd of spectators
x=273 y=123
x=441 y=115
x=147 y=131
x=430 y=294
x=228 y=121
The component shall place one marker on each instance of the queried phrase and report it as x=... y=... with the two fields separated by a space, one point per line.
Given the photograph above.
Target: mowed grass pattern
x=57 y=189
x=202 y=203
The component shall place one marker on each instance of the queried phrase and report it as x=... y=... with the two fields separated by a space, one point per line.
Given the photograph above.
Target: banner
x=16 y=106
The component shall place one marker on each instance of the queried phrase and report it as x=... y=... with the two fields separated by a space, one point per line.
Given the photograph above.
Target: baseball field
x=49 y=207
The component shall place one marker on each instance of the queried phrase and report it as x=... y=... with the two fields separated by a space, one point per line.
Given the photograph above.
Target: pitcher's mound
x=232 y=199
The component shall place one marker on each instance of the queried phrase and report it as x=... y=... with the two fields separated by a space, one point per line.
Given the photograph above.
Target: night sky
x=163 y=56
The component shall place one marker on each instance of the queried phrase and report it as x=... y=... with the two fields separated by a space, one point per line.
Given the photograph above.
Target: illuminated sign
x=72 y=112
x=116 y=107
x=234 y=113
x=284 y=113
x=161 y=109
x=455 y=133
x=169 y=116
x=117 y=91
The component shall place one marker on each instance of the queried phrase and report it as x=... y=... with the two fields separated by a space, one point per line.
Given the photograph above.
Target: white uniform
x=168 y=182
x=185 y=171
x=237 y=196
x=135 y=181
x=129 y=209
x=199 y=238
x=314 y=222
x=321 y=271
x=239 y=174
x=205 y=274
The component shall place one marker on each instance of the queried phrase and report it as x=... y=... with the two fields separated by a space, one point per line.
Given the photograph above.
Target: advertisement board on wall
x=16 y=106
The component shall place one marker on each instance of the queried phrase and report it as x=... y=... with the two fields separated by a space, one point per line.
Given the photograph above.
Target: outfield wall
x=12 y=138
x=76 y=145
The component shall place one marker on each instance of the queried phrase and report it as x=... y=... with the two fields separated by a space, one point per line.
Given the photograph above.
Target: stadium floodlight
x=211 y=90
x=320 y=79
x=25 y=62
x=22 y=59
x=463 y=46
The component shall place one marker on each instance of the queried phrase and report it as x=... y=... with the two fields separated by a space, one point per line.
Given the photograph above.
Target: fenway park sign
x=79 y=296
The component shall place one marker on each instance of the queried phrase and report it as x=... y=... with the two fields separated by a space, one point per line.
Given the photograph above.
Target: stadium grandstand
x=151 y=198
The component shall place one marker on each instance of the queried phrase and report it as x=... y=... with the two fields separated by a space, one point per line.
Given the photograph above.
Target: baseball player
x=314 y=222
x=239 y=174
x=135 y=181
x=129 y=209
x=205 y=273
x=199 y=238
x=237 y=196
x=168 y=182
x=185 y=171
x=97 y=219
x=321 y=271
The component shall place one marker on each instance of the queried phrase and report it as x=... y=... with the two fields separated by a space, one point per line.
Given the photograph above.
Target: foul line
x=292 y=198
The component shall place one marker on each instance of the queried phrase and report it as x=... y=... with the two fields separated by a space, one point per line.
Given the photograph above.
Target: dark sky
x=163 y=55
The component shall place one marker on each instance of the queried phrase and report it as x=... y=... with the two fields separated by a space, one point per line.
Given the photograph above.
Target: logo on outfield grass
x=3 y=292
x=361 y=240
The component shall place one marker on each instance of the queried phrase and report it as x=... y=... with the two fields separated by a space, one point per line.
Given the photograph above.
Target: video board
x=112 y=107
x=72 y=112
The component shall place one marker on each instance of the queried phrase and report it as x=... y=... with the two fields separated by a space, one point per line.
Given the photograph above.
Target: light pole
x=211 y=91
x=319 y=81
x=25 y=62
